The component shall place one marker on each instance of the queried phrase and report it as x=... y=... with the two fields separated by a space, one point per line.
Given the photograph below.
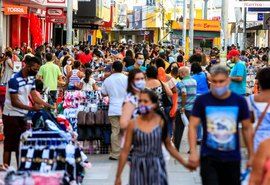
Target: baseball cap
x=233 y=53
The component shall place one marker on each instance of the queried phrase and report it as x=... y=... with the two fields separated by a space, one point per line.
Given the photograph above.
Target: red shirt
x=86 y=58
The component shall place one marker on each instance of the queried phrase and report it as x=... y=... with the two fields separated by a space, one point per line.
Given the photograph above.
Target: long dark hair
x=154 y=99
x=168 y=70
x=131 y=77
x=64 y=63
x=88 y=73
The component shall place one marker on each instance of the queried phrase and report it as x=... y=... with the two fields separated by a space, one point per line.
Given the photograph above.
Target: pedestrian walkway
x=104 y=170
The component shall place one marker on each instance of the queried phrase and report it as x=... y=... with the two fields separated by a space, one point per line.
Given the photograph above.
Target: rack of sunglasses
x=46 y=151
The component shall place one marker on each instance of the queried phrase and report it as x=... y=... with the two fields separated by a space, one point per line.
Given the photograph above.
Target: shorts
x=14 y=126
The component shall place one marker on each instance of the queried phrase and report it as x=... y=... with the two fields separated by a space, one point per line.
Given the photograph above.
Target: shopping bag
x=184 y=119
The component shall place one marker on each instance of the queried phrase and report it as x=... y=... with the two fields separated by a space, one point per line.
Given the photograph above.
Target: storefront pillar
x=15 y=30
x=24 y=30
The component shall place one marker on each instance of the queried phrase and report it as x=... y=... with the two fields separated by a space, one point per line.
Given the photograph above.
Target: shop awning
x=258 y=27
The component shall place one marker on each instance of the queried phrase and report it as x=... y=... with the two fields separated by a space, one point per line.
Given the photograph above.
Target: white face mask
x=94 y=58
x=69 y=62
x=18 y=52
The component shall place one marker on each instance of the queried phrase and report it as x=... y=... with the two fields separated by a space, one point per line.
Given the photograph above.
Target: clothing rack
x=46 y=151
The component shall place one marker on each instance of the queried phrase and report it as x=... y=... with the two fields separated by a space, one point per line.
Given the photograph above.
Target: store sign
x=15 y=10
x=199 y=25
x=56 y=3
x=56 y=15
x=252 y=4
x=85 y=26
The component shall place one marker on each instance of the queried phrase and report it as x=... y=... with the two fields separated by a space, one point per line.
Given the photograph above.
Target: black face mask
x=32 y=73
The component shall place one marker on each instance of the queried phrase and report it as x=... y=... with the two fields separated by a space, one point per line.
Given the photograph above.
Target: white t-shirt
x=88 y=86
x=115 y=87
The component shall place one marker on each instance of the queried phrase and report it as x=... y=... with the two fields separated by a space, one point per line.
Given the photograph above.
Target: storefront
x=206 y=33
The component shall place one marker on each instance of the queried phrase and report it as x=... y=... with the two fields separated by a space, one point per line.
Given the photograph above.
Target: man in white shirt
x=115 y=87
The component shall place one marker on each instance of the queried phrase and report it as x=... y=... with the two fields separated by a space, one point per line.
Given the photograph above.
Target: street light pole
x=205 y=9
x=223 y=31
x=244 y=29
x=69 y=23
x=191 y=27
x=184 y=30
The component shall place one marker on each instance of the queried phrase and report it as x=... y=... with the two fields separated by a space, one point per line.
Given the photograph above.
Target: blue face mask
x=140 y=61
x=139 y=85
x=220 y=91
x=144 y=109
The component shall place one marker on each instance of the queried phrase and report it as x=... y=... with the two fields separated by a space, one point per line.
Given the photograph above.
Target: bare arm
x=167 y=89
x=125 y=151
x=192 y=140
x=79 y=86
x=95 y=87
x=127 y=111
x=258 y=164
x=15 y=102
x=248 y=137
x=237 y=78
x=38 y=100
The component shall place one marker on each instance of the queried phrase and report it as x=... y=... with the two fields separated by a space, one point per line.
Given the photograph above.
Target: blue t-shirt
x=132 y=67
x=239 y=69
x=220 y=120
x=202 y=84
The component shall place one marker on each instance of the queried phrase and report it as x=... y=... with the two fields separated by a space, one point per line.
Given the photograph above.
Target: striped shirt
x=188 y=86
x=74 y=77
x=21 y=86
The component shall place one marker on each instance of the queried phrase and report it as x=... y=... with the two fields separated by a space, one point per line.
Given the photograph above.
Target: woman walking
x=147 y=132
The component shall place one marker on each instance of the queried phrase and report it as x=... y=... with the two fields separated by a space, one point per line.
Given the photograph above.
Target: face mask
x=220 y=91
x=69 y=62
x=18 y=52
x=140 y=61
x=94 y=58
x=32 y=73
x=139 y=85
x=144 y=109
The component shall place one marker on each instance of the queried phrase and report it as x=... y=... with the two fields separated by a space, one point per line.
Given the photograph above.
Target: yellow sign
x=199 y=25
x=151 y=20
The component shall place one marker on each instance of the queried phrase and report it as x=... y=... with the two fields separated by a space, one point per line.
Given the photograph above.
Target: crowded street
x=125 y=92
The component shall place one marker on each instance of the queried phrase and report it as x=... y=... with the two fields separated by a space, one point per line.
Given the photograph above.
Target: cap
x=233 y=53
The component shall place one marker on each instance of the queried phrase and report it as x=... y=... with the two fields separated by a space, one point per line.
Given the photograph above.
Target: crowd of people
x=153 y=90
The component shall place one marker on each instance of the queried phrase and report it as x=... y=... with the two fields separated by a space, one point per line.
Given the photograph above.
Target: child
x=87 y=83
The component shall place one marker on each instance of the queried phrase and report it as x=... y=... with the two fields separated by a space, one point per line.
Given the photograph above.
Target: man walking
x=50 y=74
x=19 y=88
x=187 y=89
x=238 y=74
x=139 y=60
x=220 y=111
x=115 y=87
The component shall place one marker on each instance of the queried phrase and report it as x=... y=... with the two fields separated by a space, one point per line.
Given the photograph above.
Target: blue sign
x=265 y=9
x=260 y=17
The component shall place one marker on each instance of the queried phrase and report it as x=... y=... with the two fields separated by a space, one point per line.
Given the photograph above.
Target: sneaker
x=112 y=159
